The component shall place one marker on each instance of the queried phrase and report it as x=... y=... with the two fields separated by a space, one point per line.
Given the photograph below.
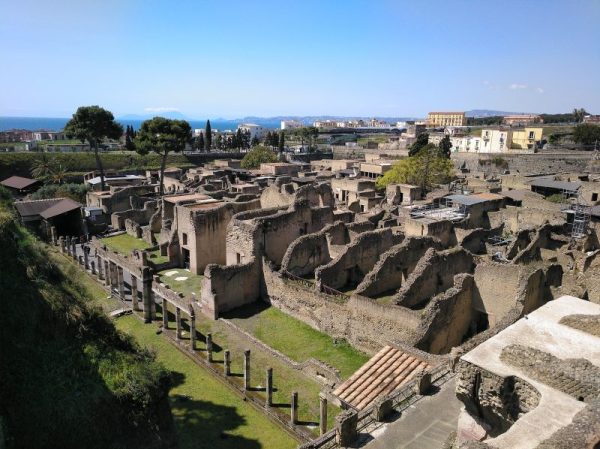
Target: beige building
x=438 y=119
x=375 y=169
x=522 y=119
x=279 y=168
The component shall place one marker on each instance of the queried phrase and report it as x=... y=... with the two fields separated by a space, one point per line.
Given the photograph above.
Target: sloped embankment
x=68 y=378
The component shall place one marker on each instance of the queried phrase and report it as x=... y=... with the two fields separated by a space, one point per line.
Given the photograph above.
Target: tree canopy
x=586 y=133
x=425 y=169
x=257 y=156
x=94 y=124
x=422 y=140
x=444 y=146
x=163 y=136
x=207 y=136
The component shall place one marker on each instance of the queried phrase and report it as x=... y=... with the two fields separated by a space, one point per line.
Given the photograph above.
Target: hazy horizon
x=234 y=59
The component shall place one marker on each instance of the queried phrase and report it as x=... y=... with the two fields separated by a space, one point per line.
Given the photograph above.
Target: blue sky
x=352 y=57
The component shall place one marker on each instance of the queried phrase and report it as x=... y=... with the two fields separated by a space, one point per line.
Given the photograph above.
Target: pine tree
x=201 y=142
x=207 y=136
x=281 y=143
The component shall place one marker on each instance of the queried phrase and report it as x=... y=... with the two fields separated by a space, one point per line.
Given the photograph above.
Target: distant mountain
x=166 y=114
x=478 y=113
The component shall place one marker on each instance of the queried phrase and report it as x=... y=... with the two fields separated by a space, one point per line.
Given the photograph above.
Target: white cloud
x=161 y=109
x=539 y=90
x=515 y=86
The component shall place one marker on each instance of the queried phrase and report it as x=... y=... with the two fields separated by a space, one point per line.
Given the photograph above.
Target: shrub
x=258 y=155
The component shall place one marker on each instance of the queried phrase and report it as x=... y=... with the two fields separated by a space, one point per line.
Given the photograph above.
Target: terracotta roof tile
x=385 y=372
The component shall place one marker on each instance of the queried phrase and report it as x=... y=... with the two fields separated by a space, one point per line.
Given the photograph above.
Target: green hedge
x=21 y=163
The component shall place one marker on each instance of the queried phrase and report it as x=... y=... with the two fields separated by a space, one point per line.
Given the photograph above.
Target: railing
x=293 y=277
x=333 y=292
x=401 y=400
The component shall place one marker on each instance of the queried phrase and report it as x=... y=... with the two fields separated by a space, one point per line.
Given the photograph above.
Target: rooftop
x=385 y=372
x=96 y=180
x=62 y=207
x=553 y=184
x=18 y=182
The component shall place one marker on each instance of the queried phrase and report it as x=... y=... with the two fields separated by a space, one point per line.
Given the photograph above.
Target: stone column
x=68 y=245
x=269 y=384
x=149 y=306
x=345 y=427
x=209 y=347
x=100 y=264
x=227 y=363
x=294 y=408
x=134 y=294
x=177 y=323
x=423 y=383
x=120 y=282
x=74 y=249
x=165 y=314
x=53 y=234
x=247 y=369
x=193 y=331
x=61 y=243
x=86 y=262
x=107 y=273
x=80 y=260
x=93 y=267
x=322 y=414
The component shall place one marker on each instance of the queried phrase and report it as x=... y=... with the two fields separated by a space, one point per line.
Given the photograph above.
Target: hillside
x=68 y=378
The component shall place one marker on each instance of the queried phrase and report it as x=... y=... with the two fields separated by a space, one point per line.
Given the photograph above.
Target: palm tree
x=59 y=174
x=42 y=167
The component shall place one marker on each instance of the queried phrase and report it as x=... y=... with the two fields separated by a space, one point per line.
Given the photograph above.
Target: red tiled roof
x=386 y=371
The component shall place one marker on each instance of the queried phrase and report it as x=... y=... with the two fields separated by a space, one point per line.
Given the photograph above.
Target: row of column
x=227 y=365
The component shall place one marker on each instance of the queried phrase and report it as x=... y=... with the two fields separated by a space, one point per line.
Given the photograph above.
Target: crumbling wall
x=140 y=216
x=364 y=323
x=305 y=254
x=395 y=266
x=447 y=317
x=474 y=240
x=228 y=287
x=433 y=274
x=350 y=267
x=443 y=230
x=496 y=402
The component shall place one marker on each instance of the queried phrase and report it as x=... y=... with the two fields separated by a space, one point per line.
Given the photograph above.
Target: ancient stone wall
x=228 y=287
x=433 y=274
x=443 y=230
x=350 y=267
x=394 y=266
x=447 y=317
x=140 y=216
x=305 y=254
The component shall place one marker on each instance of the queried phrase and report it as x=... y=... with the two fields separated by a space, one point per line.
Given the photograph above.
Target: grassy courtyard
x=207 y=414
x=296 y=339
x=285 y=379
x=183 y=281
x=125 y=243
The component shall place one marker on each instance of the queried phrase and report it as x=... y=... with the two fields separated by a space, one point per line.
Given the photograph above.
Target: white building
x=291 y=124
x=255 y=130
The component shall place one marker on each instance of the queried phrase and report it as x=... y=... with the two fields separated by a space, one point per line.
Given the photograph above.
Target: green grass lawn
x=156 y=257
x=207 y=414
x=125 y=243
x=193 y=283
x=285 y=379
x=298 y=340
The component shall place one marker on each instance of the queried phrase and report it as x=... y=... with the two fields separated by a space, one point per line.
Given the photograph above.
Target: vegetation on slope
x=67 y=378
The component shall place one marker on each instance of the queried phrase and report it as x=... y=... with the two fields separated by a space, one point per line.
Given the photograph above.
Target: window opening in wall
x=184 y=238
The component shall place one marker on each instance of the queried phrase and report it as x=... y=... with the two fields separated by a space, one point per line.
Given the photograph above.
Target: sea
x=57 y=124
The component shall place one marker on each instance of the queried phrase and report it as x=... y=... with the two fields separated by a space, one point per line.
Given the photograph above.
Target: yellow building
x=438 y=119
x=526 y=138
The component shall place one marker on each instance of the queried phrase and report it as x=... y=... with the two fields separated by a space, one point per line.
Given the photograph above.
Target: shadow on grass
x=247 y=311
x=205 y=424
